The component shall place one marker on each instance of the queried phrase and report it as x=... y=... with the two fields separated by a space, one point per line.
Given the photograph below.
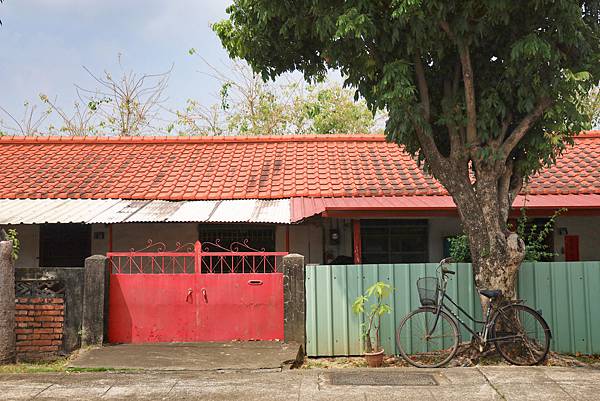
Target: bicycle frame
x=487 y=323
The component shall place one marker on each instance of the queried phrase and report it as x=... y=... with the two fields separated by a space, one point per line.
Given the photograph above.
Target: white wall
x=307 y=240
x=439 y=228
x=29 y=238
x=588 y=230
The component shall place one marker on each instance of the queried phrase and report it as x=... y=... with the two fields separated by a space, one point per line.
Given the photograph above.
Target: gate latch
x=189 y=294
x=204 y=295
x=255 y=282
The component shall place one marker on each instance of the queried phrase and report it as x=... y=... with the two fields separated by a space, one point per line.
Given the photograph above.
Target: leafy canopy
x=529 y=56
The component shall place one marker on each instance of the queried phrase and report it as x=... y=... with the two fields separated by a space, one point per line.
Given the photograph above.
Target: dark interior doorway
x=64 y=245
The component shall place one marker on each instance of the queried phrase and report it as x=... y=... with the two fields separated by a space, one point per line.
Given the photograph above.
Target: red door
x=195 y=296
x=571 y=248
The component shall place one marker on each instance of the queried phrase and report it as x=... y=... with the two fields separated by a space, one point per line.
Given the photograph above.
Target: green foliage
x=459 y=249
x=11 y=235
x=521 y=52
x=378 y=292
x=533 y=235
x=249 y=106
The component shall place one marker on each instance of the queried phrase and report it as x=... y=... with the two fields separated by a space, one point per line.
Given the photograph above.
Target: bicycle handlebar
x=446 y=271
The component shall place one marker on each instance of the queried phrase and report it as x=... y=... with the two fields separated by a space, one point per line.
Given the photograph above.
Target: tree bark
x=7 y=304
x=484 y=207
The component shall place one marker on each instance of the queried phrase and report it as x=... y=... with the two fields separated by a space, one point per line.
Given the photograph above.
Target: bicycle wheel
x=521 y=335
x=423 y=349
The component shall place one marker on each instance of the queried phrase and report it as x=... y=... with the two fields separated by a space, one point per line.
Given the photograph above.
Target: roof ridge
x=15 y=139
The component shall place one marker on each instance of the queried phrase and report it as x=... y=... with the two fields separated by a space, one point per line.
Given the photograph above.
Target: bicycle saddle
x=491 y=293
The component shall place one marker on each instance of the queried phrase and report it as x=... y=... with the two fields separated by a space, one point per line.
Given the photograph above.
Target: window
x=257 y=237
x=394 y=241
x=64 y=245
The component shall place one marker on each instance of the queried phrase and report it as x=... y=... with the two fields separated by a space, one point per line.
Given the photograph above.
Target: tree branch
x=422 y=85
x=468 y=81
x=519 y=132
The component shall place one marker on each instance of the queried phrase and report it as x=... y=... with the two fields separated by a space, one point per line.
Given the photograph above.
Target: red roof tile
x=174 y=168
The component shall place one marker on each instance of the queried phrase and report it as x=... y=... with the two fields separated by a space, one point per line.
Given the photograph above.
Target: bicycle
x=429 y=336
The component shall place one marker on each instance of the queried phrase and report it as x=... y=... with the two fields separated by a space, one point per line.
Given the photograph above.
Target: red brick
x=41 y=342
x=27 y=348
x=45 y=318
x=35 y=324
x=24 y=318
x=57 y=300
x=59 y=318
x=23 y=331
x=36 y=300
x=52 y=313
x=60 y=330
x=56 y=342
x=35 y=336
x=45 y=307
x=49 y=348
x=52 y=324
x=23 y=307
x=41 y=331
x=21 y=312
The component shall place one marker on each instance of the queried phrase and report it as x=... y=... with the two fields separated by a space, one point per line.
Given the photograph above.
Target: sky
x=45 y=43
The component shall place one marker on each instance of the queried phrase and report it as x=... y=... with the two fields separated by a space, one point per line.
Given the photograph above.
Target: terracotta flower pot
x=374 y=359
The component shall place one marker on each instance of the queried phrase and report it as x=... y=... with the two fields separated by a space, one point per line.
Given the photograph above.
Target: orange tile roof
x=198 y=168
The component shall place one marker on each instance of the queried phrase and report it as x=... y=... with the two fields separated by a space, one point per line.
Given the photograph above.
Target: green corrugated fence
x=568 y=293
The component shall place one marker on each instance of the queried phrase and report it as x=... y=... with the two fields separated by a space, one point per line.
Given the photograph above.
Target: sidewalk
x=481 y=383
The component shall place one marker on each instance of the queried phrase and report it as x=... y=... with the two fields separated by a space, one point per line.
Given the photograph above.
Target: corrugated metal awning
x=40 y=211
x=307 y=207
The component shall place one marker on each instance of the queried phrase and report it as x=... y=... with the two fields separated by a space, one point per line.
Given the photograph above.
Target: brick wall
x=39 y=328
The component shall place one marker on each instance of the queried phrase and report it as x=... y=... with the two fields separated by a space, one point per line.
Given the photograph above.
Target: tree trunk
x=7 y=304
x=496 y=252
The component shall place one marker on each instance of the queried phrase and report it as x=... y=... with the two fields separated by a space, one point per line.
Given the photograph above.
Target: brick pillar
x=294 y=301
x=40 y=325
x=95 y=300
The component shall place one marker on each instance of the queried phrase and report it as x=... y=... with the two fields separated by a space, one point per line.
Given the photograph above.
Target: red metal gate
x=194 y=294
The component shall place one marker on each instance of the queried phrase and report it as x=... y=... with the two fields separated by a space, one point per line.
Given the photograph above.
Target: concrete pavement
x=480 y=383
x=236 y=355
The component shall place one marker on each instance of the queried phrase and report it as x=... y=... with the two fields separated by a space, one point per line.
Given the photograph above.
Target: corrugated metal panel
x=154 y=211
x=306 y=207
x=565 y=292
x=119 y=212
x=39 y=211
x=198 y=211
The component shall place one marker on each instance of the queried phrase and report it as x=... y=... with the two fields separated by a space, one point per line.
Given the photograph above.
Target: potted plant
x=378 y=292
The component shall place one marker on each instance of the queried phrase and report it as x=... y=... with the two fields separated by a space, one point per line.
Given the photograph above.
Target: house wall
x=311 y=238
x=588 y=230
x=29 y=238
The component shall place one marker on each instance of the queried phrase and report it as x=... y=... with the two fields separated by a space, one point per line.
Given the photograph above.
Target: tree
x=29 y=124
x=483 y=92
x=247 y=105
x=126 y=105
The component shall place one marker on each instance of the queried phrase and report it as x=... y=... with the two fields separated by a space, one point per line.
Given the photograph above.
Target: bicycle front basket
x=428 y=291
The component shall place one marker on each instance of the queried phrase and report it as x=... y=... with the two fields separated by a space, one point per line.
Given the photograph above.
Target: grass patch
x=59 y=365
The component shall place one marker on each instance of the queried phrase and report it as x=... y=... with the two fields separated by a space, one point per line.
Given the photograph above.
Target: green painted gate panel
x=566 y=292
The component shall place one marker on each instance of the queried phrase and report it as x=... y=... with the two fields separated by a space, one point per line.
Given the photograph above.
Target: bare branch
x=128 y=104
